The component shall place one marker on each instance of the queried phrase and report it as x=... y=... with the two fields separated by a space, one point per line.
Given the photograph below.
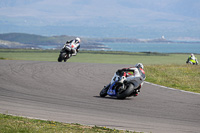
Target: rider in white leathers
x=73 y=45
x=137 y=73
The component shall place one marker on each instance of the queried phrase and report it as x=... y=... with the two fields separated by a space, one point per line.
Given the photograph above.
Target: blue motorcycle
x=123 y=86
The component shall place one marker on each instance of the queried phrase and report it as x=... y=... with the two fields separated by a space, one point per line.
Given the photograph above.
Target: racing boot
x=135 y=93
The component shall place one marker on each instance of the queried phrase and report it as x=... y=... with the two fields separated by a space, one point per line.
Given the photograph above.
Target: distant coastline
x=155 y=47
x=23 y=40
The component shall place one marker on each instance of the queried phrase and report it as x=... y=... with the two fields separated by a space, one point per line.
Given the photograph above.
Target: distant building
x=163 y=37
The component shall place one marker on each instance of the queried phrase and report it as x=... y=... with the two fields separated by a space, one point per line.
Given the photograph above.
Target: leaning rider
x=192 y=60
x=73 y=45
x=131 y=72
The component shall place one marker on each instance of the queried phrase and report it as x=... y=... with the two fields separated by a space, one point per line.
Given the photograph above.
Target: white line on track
x=171 y=88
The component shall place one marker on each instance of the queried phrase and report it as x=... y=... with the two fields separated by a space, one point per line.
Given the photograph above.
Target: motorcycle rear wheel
x=126 y=93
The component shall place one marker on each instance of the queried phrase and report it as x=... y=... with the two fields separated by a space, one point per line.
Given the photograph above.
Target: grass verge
x=96 y=56
x=183 y=77
x=15 y=124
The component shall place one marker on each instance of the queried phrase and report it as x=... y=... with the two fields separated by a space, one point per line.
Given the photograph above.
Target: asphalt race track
x=69 y=92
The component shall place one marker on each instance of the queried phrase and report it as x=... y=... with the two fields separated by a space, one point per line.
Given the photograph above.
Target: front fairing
x=115 y=78
x=111 y=91
x=66 y=49
x=63 y=50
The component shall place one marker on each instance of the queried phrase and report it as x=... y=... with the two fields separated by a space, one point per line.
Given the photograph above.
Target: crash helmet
x=77 y=40
x=139 y=65
x=192 y=55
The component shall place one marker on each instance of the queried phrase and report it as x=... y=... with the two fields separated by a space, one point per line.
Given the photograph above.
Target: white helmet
x=77 y=40
x=192 y=55
x=139 y=65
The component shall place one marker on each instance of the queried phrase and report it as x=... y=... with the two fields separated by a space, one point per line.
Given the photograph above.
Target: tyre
x=103 y=92
x=126 y=93
x=65 y=57
x=60 y=58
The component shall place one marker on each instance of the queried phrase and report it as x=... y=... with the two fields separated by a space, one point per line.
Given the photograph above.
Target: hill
x=9 y=44
x=22 y=40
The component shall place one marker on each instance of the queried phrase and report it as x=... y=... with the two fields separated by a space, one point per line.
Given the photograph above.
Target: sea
x=147 y=47
x=155 y=47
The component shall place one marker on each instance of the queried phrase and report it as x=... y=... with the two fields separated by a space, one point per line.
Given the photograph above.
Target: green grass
x=96 y=56
x=35 y=55
x=15 y=124
x=184 y=77
x=129 y=59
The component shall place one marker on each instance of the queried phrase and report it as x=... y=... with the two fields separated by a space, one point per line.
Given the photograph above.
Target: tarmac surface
x=69 y=92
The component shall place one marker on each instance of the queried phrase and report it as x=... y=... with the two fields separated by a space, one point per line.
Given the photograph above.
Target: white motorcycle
x=66 y=53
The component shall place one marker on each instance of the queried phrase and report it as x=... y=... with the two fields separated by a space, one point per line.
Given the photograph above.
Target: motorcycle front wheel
x=60 y=58
x=103 y=92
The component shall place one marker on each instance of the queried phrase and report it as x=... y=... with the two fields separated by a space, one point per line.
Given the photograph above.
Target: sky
x=175 y=19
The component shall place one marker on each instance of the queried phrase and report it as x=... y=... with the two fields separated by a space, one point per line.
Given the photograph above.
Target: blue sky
x=116 y=18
